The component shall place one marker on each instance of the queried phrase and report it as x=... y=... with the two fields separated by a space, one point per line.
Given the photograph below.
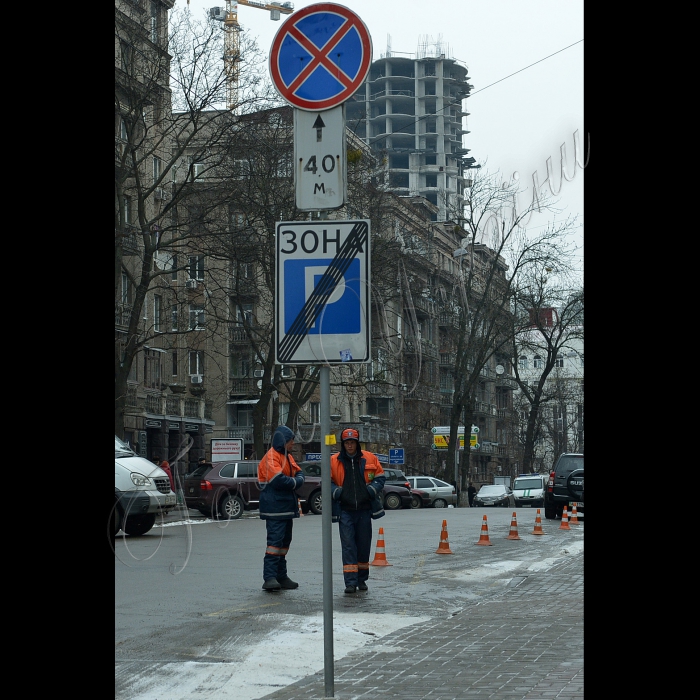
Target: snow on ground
x=289 y=653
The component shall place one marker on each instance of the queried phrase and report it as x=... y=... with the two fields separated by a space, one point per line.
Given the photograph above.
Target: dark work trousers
x=279 y=537
x=356 y=542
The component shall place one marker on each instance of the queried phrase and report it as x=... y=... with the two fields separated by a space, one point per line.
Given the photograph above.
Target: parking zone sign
x=322 y=313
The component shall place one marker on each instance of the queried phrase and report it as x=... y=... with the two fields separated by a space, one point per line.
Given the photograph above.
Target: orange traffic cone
x=538 y=524
x=573 y=520
x=513 y=534
x=444 y=546
x=564 y=520
x=379 y=555
x=484 y=537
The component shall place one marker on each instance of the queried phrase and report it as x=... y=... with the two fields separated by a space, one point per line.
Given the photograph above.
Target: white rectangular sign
x=322 y=298
x=320 y=163
x=226 y=449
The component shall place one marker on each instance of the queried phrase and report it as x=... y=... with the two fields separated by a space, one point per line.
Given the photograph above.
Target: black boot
x=272 y=584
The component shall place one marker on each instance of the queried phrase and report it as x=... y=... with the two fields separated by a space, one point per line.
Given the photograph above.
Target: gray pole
x=326 y=532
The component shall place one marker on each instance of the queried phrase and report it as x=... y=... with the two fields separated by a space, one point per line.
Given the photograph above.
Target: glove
x=337 y=493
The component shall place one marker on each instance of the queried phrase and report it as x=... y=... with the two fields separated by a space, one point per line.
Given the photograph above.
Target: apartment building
x=411 y=111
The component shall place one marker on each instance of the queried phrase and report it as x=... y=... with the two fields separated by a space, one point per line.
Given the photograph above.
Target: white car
x=141 y=491
x=528 y=490
x=441 y=493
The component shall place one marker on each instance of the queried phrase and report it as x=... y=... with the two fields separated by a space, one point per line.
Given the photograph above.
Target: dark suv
x=226 y=489
x=395 y=477
x=565 y=486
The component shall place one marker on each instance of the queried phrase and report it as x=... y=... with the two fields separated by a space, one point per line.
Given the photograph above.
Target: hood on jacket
x=343 y=453
x=282 y=436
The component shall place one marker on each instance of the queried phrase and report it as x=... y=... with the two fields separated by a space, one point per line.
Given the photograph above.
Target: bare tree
x=497 y=252
x=156 y=150
x=548 y=324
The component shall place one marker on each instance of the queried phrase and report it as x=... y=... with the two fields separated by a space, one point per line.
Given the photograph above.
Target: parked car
x=395 y=496
x=440 y=492
x=528 y=490
x=494 y=495
x=395 y=476
x=141 y=492
x=227 y=489
x=565 y=486
x=420 y=499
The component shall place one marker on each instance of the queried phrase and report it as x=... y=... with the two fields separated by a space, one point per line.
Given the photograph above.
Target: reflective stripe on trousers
x=279 y=537
x=355 y=528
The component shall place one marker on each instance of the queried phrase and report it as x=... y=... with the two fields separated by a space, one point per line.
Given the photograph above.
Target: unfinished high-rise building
x=411 y=109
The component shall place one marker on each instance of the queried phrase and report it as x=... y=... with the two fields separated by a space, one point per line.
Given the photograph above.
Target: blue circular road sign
x=320 y=56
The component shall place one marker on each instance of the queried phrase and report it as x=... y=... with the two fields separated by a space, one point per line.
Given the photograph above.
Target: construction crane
x=231 y=43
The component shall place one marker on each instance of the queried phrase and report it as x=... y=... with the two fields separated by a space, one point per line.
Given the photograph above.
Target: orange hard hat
x=349 y=434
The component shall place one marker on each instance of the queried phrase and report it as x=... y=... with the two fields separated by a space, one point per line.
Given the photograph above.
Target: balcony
x=238 y=335
x=448 y=320
x=379 y=388
x=424 y=393
x=426 y=348
x=244 y=386
x=421 y=303
x=159 y=404
x=448 y=359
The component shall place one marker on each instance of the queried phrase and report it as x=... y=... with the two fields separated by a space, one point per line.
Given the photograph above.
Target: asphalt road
x=188 y=597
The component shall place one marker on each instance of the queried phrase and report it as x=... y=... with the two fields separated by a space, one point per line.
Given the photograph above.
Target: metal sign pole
x=326 y=531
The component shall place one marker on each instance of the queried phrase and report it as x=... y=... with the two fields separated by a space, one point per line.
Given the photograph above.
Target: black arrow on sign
x=318 y=125
x=354 y=243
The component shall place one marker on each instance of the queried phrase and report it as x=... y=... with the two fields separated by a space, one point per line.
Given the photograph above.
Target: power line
x=459 y=102
x=526 y=67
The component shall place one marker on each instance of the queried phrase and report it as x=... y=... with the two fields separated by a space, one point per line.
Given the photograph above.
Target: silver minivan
x=528 y=490
x=141 y=492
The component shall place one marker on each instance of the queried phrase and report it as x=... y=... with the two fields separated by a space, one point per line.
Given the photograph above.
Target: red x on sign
x=320 y=56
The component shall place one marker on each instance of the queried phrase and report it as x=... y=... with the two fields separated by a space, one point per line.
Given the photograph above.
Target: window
x=126 y=289
x=244 y=313
x=123 y=134
x=197 y=170
x=237 y=220
x=239 y=366
x=376 y=369
x=173 y=317
x=126 y=55
x=196 y=362
x=127 y=210
x=157 y=308
x=157 y=168
x=315 y=412
x=538 y=363
x=284 y=412
x=154 y=22
x=173 y=274
x=285 y=371
x=522 y=362
x=196 y=267
x=152 y=368
x=559 y=362
x=196 y=317
x=174 y=365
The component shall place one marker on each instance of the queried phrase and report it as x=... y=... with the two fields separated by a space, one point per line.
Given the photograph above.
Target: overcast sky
x=525 y=61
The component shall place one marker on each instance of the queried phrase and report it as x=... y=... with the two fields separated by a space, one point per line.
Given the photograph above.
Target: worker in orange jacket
x=279 y=475
x=357 y=479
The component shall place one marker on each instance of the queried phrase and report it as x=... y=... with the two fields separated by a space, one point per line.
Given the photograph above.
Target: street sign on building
x=322 y=296
x=396 y=455
x=320 y=56
x=225 y=449
x=320 y=163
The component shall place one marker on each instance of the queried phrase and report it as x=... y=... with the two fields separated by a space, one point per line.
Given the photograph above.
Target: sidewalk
x=523 y=643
